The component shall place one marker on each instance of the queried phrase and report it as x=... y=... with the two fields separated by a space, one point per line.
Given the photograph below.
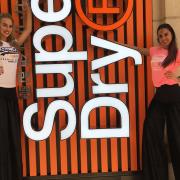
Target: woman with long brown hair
x=164 y=107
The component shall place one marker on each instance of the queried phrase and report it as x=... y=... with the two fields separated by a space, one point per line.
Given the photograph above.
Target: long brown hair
x=172 y=48
x=11 y=39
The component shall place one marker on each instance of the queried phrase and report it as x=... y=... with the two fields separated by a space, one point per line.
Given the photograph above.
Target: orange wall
x=74 y=155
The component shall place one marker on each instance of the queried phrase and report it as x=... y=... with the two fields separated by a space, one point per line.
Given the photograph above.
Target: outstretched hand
x=25 y=5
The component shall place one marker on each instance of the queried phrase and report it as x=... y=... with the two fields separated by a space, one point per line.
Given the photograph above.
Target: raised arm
x=143 y=51
x=28 y=23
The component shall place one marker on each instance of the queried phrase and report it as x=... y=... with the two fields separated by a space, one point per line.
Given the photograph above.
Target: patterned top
x=8 y=59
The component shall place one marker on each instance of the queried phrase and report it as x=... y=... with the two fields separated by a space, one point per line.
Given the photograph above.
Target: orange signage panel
x=88 y=55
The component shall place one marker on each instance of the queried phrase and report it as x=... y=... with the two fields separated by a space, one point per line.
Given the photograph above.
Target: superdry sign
x=66 y=55
x=106 y=7
x=82 y=95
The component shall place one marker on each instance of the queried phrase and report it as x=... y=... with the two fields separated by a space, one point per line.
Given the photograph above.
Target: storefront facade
x=62 y=76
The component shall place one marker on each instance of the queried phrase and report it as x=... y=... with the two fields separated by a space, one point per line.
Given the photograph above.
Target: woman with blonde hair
x=10 y=150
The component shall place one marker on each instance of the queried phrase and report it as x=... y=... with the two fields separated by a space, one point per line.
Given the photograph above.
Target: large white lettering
x=122 y=52
x=49 y=119
x=64 y=69
x=64 y=54
x=51 y=15
x=104 y=133
x=101 y=88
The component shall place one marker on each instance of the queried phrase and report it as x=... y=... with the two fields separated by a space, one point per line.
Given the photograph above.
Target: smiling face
x=164 y=37
x=6 y=28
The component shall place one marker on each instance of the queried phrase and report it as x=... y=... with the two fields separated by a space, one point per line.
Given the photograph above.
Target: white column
x=172 y=12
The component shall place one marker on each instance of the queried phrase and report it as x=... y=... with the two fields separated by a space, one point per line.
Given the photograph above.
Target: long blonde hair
x=11 y=39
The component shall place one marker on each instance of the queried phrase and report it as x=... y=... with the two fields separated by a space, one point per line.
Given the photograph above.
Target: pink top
x=158 y=54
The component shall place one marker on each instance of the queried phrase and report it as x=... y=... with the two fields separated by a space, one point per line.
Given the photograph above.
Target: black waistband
x=168 y=93
x=9 y=93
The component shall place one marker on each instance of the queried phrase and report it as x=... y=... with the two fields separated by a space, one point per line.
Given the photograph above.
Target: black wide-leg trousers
x=10 y=146
x=164 y=108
